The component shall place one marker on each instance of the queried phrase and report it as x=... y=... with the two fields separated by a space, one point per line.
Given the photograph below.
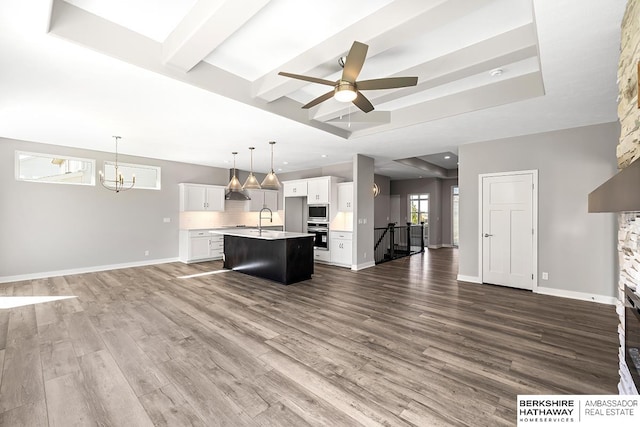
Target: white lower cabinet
x=321 y=255
x=340 y=243
x=200 y=245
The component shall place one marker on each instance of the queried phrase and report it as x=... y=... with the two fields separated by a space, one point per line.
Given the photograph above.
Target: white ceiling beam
x=71 y=23
x=505 y=91
x=499 y=51
x=385 y=28
x=204 y=28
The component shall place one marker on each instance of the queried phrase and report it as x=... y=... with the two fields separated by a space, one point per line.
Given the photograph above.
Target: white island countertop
x=257 y=234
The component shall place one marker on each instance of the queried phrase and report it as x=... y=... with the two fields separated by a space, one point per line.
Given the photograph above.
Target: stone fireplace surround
x=628 y=150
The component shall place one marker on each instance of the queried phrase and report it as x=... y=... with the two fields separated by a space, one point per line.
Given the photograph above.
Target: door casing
x=534 y=215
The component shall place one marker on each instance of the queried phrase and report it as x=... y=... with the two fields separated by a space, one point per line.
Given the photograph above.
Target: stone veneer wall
x=628 y=150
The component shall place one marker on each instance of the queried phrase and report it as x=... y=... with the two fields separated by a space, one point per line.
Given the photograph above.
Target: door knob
x=487 y=235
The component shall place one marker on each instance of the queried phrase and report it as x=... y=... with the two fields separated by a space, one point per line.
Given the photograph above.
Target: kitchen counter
x=260 y=234
x=281 y=256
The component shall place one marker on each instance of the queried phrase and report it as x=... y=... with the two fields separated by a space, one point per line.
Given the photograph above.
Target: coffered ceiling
x=193 y=80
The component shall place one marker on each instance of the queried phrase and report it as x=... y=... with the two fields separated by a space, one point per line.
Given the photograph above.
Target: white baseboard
x=471 y=279
x=434 y=246
x=583 y=296
x=362 y=266
x=93 y=269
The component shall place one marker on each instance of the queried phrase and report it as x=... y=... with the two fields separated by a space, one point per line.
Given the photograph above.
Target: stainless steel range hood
x=620 y=193
x=236 y=195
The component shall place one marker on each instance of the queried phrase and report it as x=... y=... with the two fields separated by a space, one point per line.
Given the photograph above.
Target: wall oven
x=632 y=334
x=321 y=232
x=318 y=213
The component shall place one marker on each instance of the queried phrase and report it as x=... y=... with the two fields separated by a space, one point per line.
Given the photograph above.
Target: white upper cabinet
x=199 y=197
x=318 y=190
x=345 y=197
x=262 y=199
x=295 y=188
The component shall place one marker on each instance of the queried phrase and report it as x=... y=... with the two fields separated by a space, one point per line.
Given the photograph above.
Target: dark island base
x=282 y=260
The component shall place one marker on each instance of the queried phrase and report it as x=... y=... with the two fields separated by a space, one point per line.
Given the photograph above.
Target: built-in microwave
x=318 y=213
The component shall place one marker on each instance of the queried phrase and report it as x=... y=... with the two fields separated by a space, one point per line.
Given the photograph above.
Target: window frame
x=158 y=170
x=420 y=199
x=17 y=165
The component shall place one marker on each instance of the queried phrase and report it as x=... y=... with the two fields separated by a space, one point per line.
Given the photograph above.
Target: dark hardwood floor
x=401 y=344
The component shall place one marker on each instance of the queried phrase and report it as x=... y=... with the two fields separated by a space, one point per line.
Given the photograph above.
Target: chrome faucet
x=260 y=218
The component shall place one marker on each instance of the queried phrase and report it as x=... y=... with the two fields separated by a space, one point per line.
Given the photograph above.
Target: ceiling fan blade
x=388 y=83
x=308 y=78
x=354 y=62
x=363 y=103
x=318 y=100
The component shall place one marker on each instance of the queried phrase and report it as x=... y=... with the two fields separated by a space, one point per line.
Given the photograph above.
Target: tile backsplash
x=234 y=214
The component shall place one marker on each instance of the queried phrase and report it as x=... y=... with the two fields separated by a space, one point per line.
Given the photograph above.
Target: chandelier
x=118 y=184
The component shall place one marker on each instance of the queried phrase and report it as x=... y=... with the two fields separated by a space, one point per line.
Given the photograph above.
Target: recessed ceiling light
x=447 y=157
x=324 y=155
x=496 y=72
x=285 y=163
x=279 y=169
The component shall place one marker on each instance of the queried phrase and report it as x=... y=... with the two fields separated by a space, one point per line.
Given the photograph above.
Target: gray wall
x=51 y=227
x=381 y=203
x=436 y=188
x=363 y=211
x=447 y=225
x=576 y=248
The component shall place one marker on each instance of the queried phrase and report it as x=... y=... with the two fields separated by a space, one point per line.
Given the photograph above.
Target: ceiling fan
x=347 y=89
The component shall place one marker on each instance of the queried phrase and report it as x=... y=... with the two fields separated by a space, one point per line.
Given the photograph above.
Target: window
x=419 y=208
x=147 y=177
x=51 y=168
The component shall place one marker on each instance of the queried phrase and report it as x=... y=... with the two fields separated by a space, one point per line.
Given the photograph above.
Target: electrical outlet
x=146 y=253
x=166 y=219
x=545 y=275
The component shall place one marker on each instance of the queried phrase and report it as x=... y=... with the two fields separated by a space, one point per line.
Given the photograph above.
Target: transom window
x=419 y=208
x=51 y=168
x=147 y=177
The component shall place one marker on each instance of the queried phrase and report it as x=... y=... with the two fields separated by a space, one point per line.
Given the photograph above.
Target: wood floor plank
x=67 y=403
x=279 y=415
x=58 y=358
x=22 y=381
x=108 y=392
x=167 y=407
x=362 y=411
x=141 y=373
x=401 y=343
x=33 y=414
x=82 y=334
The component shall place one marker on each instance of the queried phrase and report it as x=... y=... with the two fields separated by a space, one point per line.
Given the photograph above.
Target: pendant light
x=118 y=184
x=270 y=181
x=235 y=188
x=251 y=183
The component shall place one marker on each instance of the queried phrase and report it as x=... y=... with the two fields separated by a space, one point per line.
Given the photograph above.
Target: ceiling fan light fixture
x=345 y=91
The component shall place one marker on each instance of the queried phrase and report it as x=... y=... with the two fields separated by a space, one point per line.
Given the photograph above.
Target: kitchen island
x=280 y=256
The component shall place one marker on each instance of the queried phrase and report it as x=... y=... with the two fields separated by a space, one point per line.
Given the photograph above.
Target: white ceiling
x=194 y=80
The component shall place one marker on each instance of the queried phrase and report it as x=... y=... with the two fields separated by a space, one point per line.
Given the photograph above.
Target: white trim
x=362 y=266
x=583 y=296
x=16 y=169
x=158 y=169
x=448 y=245
x=471 y=279
x=534 y=207
x=438 y=246
x=93 y=269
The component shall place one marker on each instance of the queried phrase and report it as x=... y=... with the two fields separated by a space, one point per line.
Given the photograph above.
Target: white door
x=508 y=230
